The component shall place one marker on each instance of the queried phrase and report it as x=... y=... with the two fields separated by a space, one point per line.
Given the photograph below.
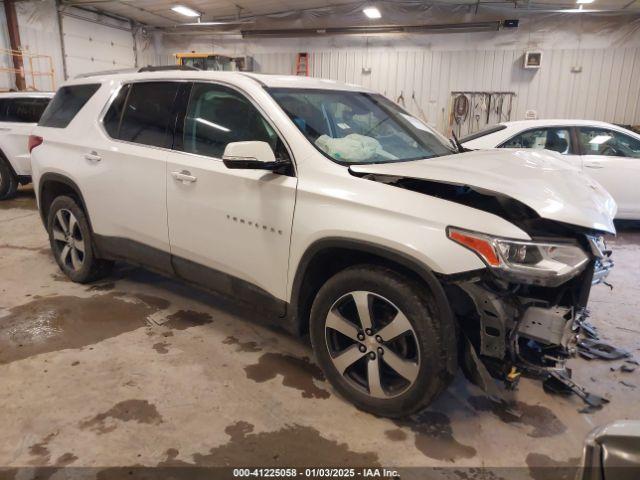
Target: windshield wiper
x=456 y=143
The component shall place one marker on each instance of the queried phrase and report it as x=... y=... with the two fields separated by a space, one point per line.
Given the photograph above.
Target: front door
x=228 y=229
x=613 y=159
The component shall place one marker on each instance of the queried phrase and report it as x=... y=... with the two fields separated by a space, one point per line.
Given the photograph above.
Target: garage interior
x=139 y=370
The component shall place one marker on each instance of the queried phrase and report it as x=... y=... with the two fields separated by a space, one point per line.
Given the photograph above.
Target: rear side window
x=24 y=110
x=66 y=104
x=141 y=113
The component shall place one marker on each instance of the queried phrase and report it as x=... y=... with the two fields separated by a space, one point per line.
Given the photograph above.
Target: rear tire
x=397 y=362
x=8 y=180
x=72 y=244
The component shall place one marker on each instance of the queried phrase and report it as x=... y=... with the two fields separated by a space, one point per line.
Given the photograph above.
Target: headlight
x=539 y=263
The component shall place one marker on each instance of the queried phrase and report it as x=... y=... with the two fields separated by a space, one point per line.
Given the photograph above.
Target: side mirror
x=249 y=155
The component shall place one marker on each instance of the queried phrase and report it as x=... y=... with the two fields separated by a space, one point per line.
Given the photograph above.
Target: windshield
x=357 y=127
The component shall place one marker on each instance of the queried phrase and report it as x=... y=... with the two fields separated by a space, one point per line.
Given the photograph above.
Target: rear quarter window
x=66 y=104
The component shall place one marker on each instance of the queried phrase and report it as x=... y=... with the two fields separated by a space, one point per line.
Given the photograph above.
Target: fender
x=56 y=177
x=400 y=258
x=297 y=324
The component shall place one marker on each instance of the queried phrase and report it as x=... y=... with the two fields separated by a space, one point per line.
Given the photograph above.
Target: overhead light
x=186 y=11
x=372 y=12
x=584 y=1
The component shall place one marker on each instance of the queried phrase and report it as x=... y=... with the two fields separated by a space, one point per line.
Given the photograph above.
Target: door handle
x=92 y=157
x=5 y=129
x=594 y=165
x=184 y=176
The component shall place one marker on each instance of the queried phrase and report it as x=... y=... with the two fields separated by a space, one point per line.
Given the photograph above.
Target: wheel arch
x=52 y=185
x=324 y=258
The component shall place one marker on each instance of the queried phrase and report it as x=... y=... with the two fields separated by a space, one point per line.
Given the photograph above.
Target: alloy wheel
x=68 y=240
x=372 y=344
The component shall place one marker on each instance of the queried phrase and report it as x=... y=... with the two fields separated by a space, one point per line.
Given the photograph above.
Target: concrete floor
x=142 y=370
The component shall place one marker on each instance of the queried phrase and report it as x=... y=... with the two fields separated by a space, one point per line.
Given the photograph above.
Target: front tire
x=71 y=242
x=378 y=338
x=8 y=180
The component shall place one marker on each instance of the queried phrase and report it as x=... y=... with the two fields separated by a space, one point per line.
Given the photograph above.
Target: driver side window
x=556 y=139
x=218 y=115
x=600 y=141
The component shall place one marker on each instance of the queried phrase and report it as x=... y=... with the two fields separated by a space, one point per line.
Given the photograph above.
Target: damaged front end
x=526 y=313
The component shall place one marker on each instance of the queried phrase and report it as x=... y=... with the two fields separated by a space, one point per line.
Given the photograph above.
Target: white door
x=125 y=179
x=613 y=159
x=18 y=116
x=229 y=229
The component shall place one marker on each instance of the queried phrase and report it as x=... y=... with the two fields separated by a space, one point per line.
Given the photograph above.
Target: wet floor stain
x=434 y=436
x=40 y=451
x=298 y=373
x=42 y=250
x=60 y=277
x=56 y=323
x=242 y=346
x=102 y=287
x=397 y=435
x=157 y=303
x=24 y=200
x=545 y=423
x=292 y=446
x=183 y=319
x=476 y=473
x=161 y=347
x=543 y=467
x=140 y=411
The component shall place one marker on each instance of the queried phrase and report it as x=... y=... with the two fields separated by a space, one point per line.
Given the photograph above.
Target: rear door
x=125 y=169
x=229 y=229
x=613 y=159
x=19 y=115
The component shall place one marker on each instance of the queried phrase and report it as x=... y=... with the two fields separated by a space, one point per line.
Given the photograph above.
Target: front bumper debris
x=516 y=329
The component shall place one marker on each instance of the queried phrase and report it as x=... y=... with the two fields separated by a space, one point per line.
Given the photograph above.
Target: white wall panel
x=606 y=89
x=90 y=47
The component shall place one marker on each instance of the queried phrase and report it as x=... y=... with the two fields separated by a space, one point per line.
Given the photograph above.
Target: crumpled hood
x=551 y=187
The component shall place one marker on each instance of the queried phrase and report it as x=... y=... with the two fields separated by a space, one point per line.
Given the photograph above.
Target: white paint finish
x=618 y=175
x=235 y=221
x=14 y=137
x=125 y=194
x=543 y=182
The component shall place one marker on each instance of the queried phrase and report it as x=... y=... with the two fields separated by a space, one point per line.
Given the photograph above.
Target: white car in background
x=19 y=114
x=608 y=153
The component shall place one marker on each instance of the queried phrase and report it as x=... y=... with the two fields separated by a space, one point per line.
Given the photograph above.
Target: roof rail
x=105 y=72
x=163 y=68
x=148 y=68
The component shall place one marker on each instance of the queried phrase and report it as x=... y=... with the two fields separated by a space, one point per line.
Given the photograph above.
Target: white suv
x=334 y=210
x=19 y=113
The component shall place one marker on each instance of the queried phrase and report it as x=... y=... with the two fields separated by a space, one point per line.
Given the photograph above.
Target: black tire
x=8 y=180
x=437 y=349
x=91 y=268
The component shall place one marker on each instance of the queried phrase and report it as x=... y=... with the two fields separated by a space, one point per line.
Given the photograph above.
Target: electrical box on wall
x=532 y=59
